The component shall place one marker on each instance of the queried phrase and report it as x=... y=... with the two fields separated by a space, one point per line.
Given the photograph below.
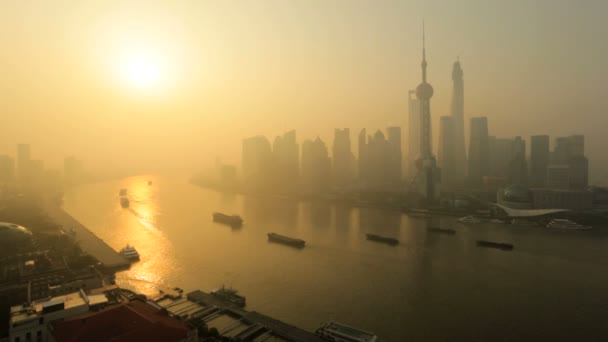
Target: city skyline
x=373 y=63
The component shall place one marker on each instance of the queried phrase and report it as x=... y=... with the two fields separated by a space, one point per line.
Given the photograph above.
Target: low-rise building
x=578 y=200
x=29 y=322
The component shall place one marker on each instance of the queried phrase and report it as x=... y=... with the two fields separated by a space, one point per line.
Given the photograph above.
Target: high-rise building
x=286 y=160
x=395 y=157
x=427 y=178
x=579 y=172
x=446 y=152
x=341 y=157
x=501 y=153
x=23 y=162
x=518 y=165
x=257 y=162
x=539 y=160
x=413 y=144
x=316 y=166
x=568 y=147
x=7 y=169
x=479 y=150
x=363 y=162
x=558 y=177
x=460 y=158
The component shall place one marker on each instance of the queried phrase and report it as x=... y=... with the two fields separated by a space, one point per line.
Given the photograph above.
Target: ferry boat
x=273 y=237
x=149 y=182
x=122 y=192
x=231 y=220
x=498 y=245
x=383 y=239
x=338 y=332
x=230 y=295
x=124 y=202
x=566 y=224
x=129 y=253
x=469 y=219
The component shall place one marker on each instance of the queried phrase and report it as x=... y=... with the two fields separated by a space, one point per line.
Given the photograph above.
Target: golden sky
x=146 y=84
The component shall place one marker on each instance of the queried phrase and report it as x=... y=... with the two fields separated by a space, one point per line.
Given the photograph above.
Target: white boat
x=130 y=253
x=566 y=224
x=337 y=332
x=469 y=219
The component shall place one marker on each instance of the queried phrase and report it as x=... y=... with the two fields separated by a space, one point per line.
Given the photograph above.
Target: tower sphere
x=424 y=91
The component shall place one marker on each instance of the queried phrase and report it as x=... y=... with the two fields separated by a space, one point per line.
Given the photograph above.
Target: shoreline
x=88 y=241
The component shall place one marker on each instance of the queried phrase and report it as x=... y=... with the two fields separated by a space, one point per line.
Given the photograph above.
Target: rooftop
x=21 y=313
x=133 y=321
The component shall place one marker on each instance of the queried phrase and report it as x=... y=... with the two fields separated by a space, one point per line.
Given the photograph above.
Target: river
x=554 y=284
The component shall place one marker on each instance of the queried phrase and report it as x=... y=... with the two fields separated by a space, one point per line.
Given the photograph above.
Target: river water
x=429 y=287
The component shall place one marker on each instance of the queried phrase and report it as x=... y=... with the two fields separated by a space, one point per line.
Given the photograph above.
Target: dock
x=280 y=330
x=88 y=241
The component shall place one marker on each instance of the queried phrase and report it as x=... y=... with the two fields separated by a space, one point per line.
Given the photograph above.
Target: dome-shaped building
x=14 y=237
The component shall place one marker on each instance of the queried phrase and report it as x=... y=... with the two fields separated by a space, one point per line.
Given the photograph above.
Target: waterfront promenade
x=88 y=241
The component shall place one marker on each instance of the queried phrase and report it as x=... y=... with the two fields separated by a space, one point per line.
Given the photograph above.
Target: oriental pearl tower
x=427 y=178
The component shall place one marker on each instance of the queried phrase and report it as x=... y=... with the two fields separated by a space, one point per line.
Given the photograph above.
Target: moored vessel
x=273 y=237
x=124 y=202
x=129 y=253
x=230 y=295
x=497 y=245
x=338 y=332
x=231 y=220
x=383 y=239
x=566 y=224
x=122 y=192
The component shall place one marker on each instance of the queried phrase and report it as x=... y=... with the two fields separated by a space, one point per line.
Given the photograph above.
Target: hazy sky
x=216 y=71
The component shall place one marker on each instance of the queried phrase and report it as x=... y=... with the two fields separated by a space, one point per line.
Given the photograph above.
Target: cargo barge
x=383 y=239
x=497 y=245
x=273 y=237
x=231 y=220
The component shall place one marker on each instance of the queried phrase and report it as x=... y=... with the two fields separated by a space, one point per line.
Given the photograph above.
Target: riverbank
x=89 y=242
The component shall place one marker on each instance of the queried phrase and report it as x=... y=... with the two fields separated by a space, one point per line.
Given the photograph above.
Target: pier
x=88 y=241
x=281 y=331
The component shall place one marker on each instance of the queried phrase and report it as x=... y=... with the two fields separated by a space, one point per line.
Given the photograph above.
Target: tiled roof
x=134 y=321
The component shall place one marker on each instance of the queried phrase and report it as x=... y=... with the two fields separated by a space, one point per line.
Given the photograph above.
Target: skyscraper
x=413 y=145
x=286 y=160
x=341 y=157
x=460 y=159
x=257 y=162
x=427 y=178
x=539 y=160
x=568 y=147
x=479 y=150
x=363 y=156
x=447 y=151
x=316 y=166
x=518 y=165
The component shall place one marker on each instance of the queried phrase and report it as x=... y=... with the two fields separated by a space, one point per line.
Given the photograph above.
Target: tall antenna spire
x=423 y=55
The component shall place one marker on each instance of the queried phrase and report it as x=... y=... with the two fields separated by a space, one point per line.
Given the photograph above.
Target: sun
x=142 y=71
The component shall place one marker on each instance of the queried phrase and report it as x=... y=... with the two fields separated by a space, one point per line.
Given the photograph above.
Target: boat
x=469 y=219
x=273 y=237
x=231 y=220
x=498 y=245
x=129 y=253
x=122 y=192
x=338 y=332
x=230 y=295
x=566 y=224
x=441 y=230
x=149 y=182
x=383 y=239
x=124 y=202
x=495 y=220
